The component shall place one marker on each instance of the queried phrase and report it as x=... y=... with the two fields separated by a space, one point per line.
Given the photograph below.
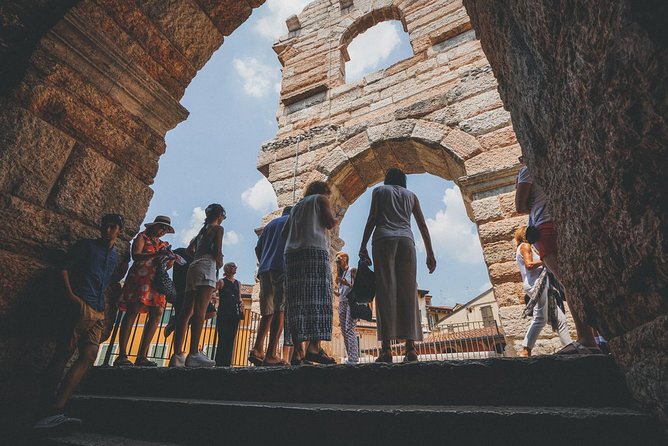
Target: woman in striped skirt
x=308 y=274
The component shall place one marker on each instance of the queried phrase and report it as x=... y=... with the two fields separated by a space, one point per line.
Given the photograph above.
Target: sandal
x=320 y=358
x=254 y=359
x=575 y=348
x=144 y=362
x=300 y=362
x=385 y=356
x=123 y=361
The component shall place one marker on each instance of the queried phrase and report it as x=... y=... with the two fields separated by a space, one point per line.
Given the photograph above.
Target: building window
x=487 y=316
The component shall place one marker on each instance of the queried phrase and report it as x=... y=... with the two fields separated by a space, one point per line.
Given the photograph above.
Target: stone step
x=203 y=422
x=93 y=439
x=569 y=381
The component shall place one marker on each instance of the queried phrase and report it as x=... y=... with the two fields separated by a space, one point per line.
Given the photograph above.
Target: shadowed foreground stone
x=586 y=86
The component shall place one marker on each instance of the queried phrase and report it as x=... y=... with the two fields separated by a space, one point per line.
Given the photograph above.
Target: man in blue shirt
x=86 y=275
x=269 y=252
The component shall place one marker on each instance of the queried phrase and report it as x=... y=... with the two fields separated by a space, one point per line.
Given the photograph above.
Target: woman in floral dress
x=139 y=295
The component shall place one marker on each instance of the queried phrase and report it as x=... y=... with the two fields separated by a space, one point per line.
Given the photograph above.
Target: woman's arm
x=327 y=218
x=426 y=238
x=218 y=242
x=527 y=256
x=368 y=229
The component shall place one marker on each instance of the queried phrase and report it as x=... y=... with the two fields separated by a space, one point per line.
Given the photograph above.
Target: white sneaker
x=199 y=359
x=56 y=421
x=177 y=361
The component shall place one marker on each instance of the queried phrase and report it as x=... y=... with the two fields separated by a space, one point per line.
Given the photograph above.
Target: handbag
x=162 y=283
x=360 y=311
x=362 y=293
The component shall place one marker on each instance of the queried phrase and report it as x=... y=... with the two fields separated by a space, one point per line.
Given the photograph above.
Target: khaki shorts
x=271 y=292
x=89 y=326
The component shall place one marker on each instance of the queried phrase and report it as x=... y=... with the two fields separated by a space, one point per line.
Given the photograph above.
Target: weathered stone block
x=486 y=209
x=187 y=27
x=22 y=173
x=500 y=230
x=508 y=293
x=491 y=160
x=461 y=144
x=505 y=272
x=498 y=252
x=90 y=185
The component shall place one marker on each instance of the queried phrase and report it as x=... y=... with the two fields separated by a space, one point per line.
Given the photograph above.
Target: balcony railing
x=468 y=340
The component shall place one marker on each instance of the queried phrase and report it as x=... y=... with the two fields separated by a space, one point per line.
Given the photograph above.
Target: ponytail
x=212 y=211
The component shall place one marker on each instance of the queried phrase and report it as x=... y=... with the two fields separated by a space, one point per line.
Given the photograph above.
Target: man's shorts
x=271 y=292
x=547 y=240
x=89 y=326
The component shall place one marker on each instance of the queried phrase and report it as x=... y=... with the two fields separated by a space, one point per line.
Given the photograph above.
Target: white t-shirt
x=538 y=211
x=395 y=206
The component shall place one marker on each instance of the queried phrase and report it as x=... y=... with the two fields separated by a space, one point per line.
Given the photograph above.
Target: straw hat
x=164 y=221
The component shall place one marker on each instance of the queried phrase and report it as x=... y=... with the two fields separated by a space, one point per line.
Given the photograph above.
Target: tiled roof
x=246 y=289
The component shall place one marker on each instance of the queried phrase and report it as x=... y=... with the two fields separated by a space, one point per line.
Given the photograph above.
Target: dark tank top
x=229 y=298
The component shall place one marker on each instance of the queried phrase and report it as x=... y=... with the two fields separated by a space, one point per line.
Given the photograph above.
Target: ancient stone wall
x=586 y=83
x=89 y=90
x=438 y=112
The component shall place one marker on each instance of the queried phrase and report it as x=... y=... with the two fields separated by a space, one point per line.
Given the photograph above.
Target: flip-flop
x=300 y=362
x=275 y=364
x=123 y=361
x=321 y=357
x=255 y=360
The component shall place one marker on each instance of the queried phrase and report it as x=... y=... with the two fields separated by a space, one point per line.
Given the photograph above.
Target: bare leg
x=154 y=316
x=181 y=324
x=87 y=355
x=202 y=299
x=258 y=347
x=127 y=324
x=287 y=352
x=276 y=329
x=54 y=372
x=584 y=331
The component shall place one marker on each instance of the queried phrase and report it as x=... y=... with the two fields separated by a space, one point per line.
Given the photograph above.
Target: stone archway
x=89 y=90
x=437 y=111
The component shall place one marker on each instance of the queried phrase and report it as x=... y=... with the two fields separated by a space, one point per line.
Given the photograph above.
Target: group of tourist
x=295 y=278
x=296 y=286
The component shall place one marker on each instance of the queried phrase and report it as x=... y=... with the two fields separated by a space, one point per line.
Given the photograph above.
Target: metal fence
x=161 y=346
x=468 y=340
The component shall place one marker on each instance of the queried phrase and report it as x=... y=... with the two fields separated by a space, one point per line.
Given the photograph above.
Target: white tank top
x=529 y=276
x=305 y=227
x=395 y=207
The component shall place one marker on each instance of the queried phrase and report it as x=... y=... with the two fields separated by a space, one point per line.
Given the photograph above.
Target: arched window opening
x=378 y=47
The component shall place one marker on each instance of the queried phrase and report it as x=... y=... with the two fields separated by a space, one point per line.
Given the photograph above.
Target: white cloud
x=452 y=232
x=260 y=196
x=196 y=223
x=368 y=50
x=231 y=238
x=258 y=77
x=272 y=24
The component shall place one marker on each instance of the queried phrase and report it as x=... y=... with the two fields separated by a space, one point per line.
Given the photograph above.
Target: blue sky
x=211 y=156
